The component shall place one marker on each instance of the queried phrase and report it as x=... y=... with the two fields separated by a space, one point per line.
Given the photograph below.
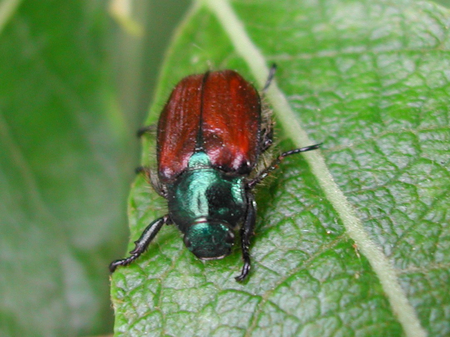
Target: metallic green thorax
x=207 y=205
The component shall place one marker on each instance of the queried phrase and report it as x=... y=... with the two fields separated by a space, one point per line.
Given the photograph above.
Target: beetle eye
x=230 y=237
x=187 y=242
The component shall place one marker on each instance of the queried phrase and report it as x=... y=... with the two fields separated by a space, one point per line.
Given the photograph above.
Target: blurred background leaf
x=74 y=87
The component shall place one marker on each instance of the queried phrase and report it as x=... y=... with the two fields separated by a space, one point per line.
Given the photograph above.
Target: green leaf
x=63 y=179
x=350 y=240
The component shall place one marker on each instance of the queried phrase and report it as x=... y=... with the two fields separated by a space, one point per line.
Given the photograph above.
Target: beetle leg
x=143 y=169
x=272 y=71
x=267 y=138
x=274 y=165
x=267 y=122
x=141 y=245
x=146 y=129
x=246 y=234
x=152 y=179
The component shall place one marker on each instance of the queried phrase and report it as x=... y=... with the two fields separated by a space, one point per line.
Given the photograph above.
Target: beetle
x=210 y=137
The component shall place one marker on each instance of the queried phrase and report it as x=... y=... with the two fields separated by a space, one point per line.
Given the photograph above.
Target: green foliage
x=62 y=153
x=369 y=79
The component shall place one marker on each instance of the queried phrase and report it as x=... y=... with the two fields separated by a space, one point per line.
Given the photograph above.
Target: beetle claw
x=244 y=273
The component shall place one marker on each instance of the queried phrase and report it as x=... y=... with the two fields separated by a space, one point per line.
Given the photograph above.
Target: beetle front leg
x=247 y=232
x=141 y=245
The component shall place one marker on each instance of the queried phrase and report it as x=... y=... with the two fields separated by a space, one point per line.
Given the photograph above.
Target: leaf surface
x=370 y=80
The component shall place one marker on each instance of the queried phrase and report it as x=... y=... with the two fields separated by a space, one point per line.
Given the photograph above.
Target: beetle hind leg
x=274 y=165
x=152 y=178
x=270 y=77
x=149 y=129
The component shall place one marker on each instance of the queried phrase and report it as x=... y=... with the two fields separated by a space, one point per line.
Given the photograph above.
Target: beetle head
x=209 y=239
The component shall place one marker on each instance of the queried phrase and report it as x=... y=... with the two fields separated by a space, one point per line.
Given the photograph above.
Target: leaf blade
x=363 y=92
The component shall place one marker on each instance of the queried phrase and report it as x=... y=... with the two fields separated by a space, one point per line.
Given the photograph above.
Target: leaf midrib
x=7 y=9
x=381 y=265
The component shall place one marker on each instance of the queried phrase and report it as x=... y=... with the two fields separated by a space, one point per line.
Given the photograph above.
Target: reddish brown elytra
x=219 y=112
